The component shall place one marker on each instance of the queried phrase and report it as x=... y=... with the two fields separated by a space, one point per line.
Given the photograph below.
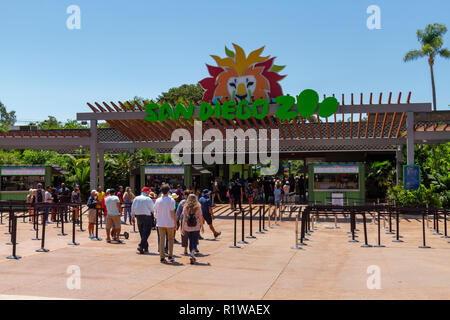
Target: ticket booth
x=155 y=174
x=17 y=180
x=336 y=183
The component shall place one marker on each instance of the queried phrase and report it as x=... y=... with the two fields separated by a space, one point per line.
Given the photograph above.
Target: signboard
x=162 y=169
x=337 y=199
x=23 y=171
x=411 y=174
x=287 y=169
x=336 y=169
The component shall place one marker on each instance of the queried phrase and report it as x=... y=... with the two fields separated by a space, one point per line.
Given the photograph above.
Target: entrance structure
x=356 y=128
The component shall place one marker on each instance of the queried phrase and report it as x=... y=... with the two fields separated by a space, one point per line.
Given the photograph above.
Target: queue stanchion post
x=1 y=217
x=251 y=236
x=14 y=240
x=73 y=243
x=296 y=246
x=353 y=223
x=302 y=228
x=366 y=243
x=36 y=218
x=62 y=233
x=98 y=215
x=436 y=215
x=243 y=227
x=42 y=248
x=390 y=220
x=269 y=217
x=10 y=227
x=235 y=246
x=264 y=218
x=424 y=245
x=397 y=227
x=445 y=225
x=9 y=223
x=379 y=245
x=260 y=231
x=80 y=218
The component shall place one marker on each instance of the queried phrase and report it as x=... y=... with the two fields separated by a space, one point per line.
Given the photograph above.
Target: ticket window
x=336 y=181
x=20 y=183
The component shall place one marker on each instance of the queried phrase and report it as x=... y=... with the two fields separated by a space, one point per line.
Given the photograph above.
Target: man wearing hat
x=207 y=212
x=142 y=208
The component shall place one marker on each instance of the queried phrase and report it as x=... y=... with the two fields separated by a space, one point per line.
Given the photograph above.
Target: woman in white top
x=192 y=223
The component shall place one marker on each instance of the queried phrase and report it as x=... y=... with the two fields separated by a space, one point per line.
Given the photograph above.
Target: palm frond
x=413 y=55
x=444 y=53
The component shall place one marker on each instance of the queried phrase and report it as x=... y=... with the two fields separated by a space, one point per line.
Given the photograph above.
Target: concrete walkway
x=267 y=268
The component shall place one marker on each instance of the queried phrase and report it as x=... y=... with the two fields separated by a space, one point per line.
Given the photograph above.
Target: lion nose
x=241 y=89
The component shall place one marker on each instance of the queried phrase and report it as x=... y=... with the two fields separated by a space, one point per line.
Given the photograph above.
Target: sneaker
x=217 y=234
x=171 y=259
x=192 y=259
x=140 y=251
x=163 y=260
x=200 y=238
x=176 y=241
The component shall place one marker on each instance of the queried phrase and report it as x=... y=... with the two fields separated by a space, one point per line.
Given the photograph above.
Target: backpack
x=39 y=195
x=191 y=220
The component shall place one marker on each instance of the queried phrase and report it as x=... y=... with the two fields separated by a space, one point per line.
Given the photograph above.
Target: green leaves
x=229 y=53
x=276 y=68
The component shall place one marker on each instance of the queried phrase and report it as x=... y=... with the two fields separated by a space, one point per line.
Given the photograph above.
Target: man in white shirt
x=165 y=221
x=114 y=210
x=142 y=208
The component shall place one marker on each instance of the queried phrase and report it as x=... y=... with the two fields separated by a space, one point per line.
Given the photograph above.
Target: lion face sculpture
x=239 y=77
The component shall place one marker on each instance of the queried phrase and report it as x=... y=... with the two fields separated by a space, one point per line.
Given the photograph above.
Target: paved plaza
x=329 y=267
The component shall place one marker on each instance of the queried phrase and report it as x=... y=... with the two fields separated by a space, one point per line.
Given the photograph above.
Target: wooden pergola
x=381 y=123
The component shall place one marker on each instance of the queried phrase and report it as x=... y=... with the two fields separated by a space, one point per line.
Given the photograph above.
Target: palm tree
x=431 y=41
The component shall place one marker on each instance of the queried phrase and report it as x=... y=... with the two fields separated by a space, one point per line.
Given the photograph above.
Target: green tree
x=183 y=93
x=431 y=40
x=6 y=118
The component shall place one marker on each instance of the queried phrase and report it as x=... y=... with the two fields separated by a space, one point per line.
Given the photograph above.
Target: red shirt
x=104 y=205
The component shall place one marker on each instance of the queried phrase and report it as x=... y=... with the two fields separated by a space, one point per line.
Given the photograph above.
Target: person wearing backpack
x=192 y=224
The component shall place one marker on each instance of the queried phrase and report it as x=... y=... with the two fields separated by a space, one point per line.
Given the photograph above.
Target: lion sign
x=240 y=77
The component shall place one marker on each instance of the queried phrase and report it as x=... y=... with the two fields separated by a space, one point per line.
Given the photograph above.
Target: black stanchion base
x=234 y=247
x=243 y=242
x=332 y=228
x=81 y=230
x=42 y=250
x=390 y=232
x=10 y=243
x=397 y=240
x=62 y=234
x=251 y=237
x=353 y=241
x=296 y=248
x=445 y=237
x=437 y=233
x=73 y=244
x=266 y=229
x=257 y=232
x=7 y=233
x=366 y=246
x=276 y=225
x=398 y=236
x=357 y=230
x=302 y=244
x=14 y=257
x=36 y=239
x=134 y=231
x=33 y=230
x=424 y=247
x=379 y=246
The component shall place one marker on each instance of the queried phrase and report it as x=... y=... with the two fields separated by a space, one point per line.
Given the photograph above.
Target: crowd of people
x=159 y=208
x=266 y=189
x=162 y=208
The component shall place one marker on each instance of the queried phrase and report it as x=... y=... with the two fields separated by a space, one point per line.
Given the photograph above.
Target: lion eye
x=233 y=84
x=250 y=84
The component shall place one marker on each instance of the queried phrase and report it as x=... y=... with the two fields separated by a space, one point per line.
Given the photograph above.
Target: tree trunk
x=431 y=63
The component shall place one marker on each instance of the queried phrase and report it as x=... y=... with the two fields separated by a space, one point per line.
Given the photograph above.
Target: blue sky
x=143 y=47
